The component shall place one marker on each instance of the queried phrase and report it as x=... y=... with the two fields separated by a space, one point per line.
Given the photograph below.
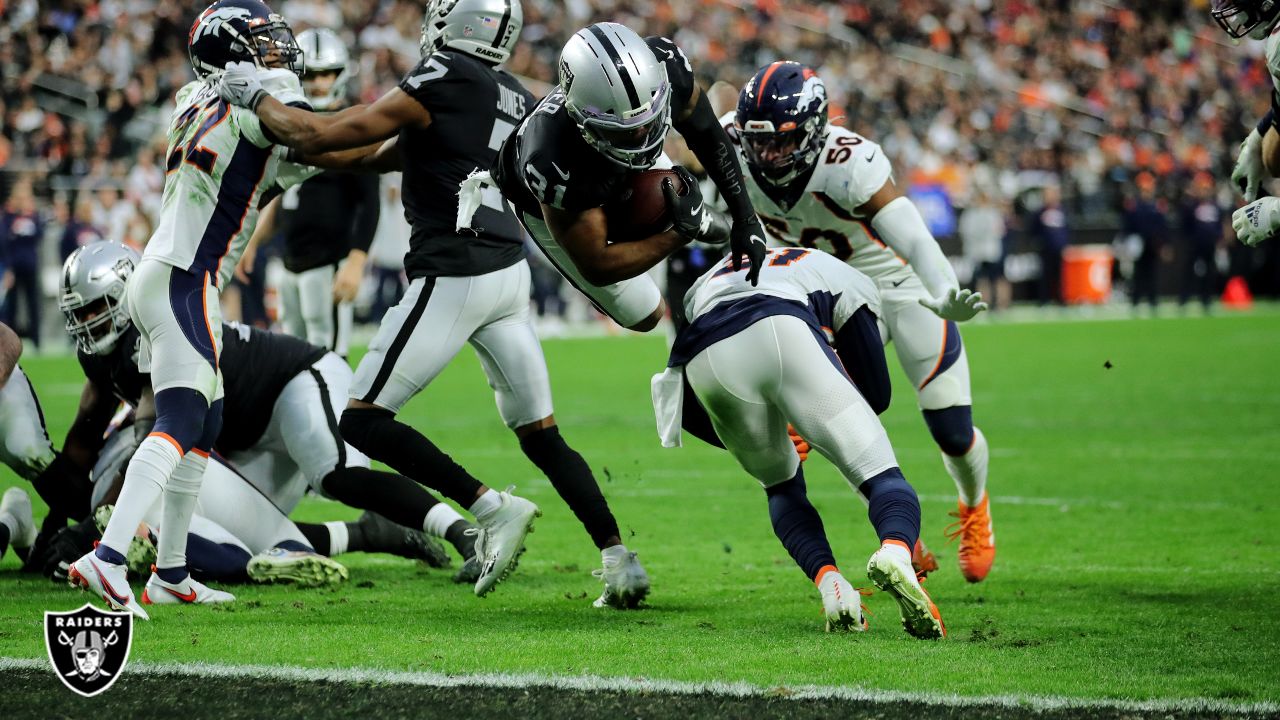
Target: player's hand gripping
x=1257 y=221
x=956 y=305
x=1250 y=170
x=690 y=215
x=239 y=85
x=746 y=238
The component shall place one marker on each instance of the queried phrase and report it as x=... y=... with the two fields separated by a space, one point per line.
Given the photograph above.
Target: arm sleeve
x=365 y=222
x=709 y=141
x=900 y=225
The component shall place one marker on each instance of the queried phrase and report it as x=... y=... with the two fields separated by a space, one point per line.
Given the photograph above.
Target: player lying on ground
x=618 y=94
x=219 y=163
x=757 y=359
x=280 y=395
x=820 y=186
x=468 y=285
x=1259 y=158
x=24 y=445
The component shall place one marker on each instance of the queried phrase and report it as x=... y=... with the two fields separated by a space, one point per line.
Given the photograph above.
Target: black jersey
x=327 y=217
x=256 y=365
x=473 y=109
x=547 y=160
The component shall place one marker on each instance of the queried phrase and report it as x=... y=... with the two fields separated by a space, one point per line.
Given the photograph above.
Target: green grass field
x=1135 y=510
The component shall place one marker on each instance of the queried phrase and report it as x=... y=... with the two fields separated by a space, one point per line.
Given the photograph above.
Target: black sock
x=377 y=433
x=892 y=506
x=457 y=536
x=392 y=496
x=797 y=524
x=317 y=535
x=572 y=478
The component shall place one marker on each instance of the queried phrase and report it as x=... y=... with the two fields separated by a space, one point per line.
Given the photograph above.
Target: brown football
x=639 y=209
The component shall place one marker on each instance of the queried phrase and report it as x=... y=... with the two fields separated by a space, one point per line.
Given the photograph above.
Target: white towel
x=668 y=404
x=471 y=196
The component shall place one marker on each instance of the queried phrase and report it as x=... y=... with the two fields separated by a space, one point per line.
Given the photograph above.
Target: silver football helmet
x=92 y=295
x=487 y=29
x=617 y=92
x=324 y=52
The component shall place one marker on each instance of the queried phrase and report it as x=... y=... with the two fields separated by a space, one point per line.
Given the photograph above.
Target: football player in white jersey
x=805 y=303
x=1259 y=157
x=828 y=188
x=24 y=444
x=220 y=160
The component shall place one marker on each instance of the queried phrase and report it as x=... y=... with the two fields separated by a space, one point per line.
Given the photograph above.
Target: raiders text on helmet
x=487 y=29
x=617 y=92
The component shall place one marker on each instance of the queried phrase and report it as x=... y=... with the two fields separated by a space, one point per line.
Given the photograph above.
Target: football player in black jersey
x=281 y=394
x=447 y=119
x=327 y=222
x=617 y=97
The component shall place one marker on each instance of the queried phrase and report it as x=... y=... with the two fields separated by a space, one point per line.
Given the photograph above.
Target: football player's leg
x=319 y=311
x=291 y=320
x=24 y=441
x=635 y=304
x=416 y=340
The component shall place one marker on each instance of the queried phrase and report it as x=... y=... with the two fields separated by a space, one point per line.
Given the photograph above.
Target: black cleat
x=382 y=535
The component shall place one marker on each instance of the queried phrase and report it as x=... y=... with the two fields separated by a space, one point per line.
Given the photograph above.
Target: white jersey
x=850 y=170
x=1273 y=59
x=219 y=163
x=831 y=289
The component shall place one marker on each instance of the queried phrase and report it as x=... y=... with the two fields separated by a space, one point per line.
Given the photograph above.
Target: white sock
x=486 y=505
x=617 y=553
x=898 y=551
x=440 y=518
x=11 y=522
x=180 y=496
x=144 y=481
x=970 y=470
x=338 y=537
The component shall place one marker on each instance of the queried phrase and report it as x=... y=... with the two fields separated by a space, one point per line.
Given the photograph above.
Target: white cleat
x=106 y=580
x=17 y=505
x=625 y=582
x=188 y=592
x=841 y=603
x=500 y=540
x=296 y=567
x=894 y=575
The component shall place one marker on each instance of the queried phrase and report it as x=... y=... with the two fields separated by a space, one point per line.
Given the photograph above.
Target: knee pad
x=180 y=414
x=952 y=428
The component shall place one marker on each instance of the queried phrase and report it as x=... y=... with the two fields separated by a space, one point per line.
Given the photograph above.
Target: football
x=639 y=209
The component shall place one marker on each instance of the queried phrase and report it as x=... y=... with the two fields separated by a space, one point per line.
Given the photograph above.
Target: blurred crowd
x=1008 y=105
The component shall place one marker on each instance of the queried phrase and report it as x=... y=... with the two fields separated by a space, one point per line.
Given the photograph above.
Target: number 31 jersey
x=218 y=163
x=849 y=171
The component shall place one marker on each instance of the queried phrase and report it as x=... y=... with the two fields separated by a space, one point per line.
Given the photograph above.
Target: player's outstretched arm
x=381 y=157
x=10 y=351
x=898 y=222
x=583 y=235
x=708 y=140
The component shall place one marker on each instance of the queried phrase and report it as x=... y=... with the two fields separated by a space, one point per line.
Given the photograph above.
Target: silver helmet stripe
x=619 y=67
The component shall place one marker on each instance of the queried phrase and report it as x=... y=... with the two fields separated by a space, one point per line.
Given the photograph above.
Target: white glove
x=1250 y=170
x=239 y=85
x=956 y=305
x=1257 y=221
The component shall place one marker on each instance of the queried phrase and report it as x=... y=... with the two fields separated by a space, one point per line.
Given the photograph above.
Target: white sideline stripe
x=592 y=683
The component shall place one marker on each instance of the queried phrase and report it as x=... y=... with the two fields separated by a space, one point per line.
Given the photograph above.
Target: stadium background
x=1000 y=98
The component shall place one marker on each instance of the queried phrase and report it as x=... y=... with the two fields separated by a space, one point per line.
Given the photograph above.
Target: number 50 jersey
x=823 y=214
x=219 y=161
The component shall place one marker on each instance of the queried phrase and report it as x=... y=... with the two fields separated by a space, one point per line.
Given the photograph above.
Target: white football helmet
x=617 y=92
x=487 y=29
x=92 y=298
x=324 y=52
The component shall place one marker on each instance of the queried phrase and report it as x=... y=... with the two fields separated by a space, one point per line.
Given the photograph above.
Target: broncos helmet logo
x=813 y=94
x=213 y=20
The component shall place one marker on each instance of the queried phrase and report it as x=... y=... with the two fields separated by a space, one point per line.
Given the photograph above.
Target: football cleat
x=297 y=567
x=841 y=602
x=922 y=559
x=500 y=540
x=625 y=582
x=894 y=575
x=17 y=505
x=469 y=573
x=140 y=556
x=386 y=536
x=188 y=592
x=106 y=580
x=977 y=539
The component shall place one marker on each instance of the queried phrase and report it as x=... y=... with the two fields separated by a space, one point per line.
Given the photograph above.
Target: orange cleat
x=922 y=559
x=802 y=445
x=977 y=539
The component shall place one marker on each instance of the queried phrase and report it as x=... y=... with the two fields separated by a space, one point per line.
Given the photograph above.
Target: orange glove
x=802 y=447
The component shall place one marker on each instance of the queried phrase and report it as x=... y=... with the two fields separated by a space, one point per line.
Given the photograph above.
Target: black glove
x=64 y=548
x=747 y=238
x=690 y=215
